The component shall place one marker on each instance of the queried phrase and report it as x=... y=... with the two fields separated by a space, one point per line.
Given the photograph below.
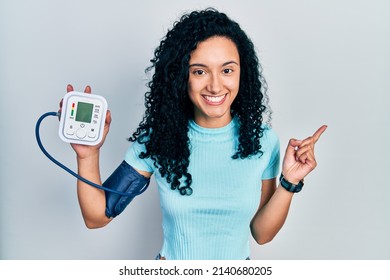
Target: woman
x=203 y=137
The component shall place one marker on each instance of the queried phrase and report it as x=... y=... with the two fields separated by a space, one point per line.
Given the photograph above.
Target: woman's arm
x=272 y=212
x=92 y=200
x=299 y=160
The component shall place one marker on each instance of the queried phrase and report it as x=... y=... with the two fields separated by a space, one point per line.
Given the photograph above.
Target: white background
x=326 y=62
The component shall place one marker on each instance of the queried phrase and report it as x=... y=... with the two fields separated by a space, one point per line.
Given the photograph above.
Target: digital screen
x=84 y=112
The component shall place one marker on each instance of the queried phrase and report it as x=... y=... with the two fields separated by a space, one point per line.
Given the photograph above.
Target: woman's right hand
x=85 y=151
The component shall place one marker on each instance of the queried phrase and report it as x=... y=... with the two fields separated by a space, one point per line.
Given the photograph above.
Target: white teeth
x=214 y=99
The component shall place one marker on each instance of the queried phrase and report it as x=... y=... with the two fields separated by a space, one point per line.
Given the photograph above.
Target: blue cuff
x=127 y=180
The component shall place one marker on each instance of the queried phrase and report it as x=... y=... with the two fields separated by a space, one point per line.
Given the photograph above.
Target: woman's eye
x=199 y=72
x=227 y=71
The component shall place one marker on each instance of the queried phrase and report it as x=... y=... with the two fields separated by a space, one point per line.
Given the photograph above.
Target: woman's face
x=214 y=81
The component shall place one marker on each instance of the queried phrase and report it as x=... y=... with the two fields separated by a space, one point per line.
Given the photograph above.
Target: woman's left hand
x=299 y=159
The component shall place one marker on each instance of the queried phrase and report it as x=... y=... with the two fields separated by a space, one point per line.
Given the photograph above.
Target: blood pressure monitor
x=82 y=121
x=82 y=118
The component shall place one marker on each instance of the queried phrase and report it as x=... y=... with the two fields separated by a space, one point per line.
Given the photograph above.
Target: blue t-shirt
x=213 y=222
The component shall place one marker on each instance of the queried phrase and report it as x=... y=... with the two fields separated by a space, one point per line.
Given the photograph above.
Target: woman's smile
x=214 y=100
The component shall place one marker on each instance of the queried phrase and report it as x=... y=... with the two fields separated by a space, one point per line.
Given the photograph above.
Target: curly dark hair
x=164 y=128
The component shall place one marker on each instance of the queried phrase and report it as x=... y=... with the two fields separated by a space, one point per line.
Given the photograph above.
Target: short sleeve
x=133 y=159
x=272 y=147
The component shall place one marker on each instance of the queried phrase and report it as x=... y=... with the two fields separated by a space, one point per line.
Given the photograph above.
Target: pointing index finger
x=319 y=132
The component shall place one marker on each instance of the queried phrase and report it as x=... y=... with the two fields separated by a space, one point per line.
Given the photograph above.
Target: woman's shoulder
x=270 y=136
x=269 y=131
x=132 y=157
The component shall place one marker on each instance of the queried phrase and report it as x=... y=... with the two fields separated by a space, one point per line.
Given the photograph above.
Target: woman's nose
x=215 y=84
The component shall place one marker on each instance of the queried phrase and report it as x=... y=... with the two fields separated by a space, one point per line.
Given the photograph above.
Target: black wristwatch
x=289 y=186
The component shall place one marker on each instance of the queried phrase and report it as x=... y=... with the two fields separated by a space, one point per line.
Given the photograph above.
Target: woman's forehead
x=215 y=50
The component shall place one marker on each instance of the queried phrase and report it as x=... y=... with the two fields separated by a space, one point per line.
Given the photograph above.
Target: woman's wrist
x=291 y=186
x=88 y=158
x=290 y=178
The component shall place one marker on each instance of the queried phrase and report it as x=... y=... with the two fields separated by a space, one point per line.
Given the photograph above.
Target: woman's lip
x=214 y=100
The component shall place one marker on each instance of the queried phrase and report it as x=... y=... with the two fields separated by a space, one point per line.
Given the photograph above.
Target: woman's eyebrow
x=230 y=62
x=198 y=65
x=204 y=65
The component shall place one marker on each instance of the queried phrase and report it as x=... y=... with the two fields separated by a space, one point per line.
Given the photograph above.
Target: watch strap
x=290 y=186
